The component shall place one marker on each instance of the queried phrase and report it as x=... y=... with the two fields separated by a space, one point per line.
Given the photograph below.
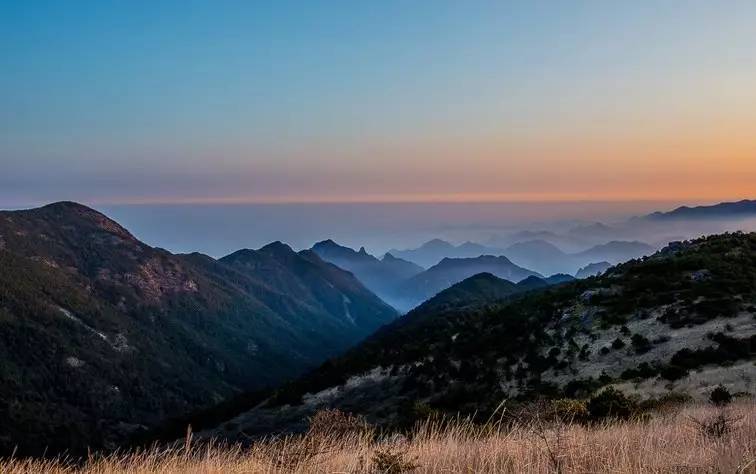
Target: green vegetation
x=466 y=359
x=103 y=337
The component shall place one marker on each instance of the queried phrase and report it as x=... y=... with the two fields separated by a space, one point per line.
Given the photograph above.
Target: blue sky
x=245 y=101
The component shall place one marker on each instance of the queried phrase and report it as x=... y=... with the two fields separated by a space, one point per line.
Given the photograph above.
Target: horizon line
x=448 y=198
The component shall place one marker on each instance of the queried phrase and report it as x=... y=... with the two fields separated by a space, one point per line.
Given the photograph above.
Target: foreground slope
x=668 y=441
x=102 y=335
x=681 y=320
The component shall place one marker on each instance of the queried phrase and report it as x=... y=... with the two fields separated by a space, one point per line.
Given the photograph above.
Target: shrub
x=604 y=350
x=717 y=426
x=568 y=410
x=643 y=371
x=670 y=400
x=618 y=344
x=640 y=343
x=661 y=339
x=720 y=396
x=611 y=403
x=390 y=460
x=673 y=372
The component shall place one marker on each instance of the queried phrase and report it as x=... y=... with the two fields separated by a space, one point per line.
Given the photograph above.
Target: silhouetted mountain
x=453 y=270
x=725 y=210
x=673 y=323
x=593 y=269
x=565 y=242
x=474 y=290
x=538 y=255
x=401 y=268
x=541 y=256
x=559 y=278
x=381 y=276
x=433 y=251
x=595 y=230
x=102 y=335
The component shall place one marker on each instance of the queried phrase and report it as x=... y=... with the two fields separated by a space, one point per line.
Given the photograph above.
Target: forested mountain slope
x=102 y=335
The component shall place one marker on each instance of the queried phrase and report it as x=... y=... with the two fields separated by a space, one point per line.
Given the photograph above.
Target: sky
x=129 y=102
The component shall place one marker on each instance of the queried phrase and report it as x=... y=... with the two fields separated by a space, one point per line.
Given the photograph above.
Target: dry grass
x=670 y=442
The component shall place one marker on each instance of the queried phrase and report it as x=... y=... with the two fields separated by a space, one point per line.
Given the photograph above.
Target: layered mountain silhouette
x=674 y=323
x=453 y=270
x=383 y=277
x=404 y=284
x=538 y=255
x=102 y=335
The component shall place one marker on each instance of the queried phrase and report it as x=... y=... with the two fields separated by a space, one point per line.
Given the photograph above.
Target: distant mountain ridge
x=453 y=270
x=724 y=210
x=432 y=252
x=538 y=255
x=405 y=285
x=382 y=276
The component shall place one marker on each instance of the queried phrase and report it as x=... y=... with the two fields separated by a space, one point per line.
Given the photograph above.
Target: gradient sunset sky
x=131 y=102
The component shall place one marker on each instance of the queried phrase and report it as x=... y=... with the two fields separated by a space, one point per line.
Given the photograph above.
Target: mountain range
x=538 y=255
x=453 y=270
x=675 y=324
x=405 y=285
x=102 y=336
x=384 y=277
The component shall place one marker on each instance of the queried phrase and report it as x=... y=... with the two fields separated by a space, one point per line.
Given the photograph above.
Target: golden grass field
x=668 y=442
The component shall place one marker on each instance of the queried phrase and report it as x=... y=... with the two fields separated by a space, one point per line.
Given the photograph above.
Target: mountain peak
x=328 y=243
x=72 y=214
x=277 y=247
x=436 y=243
x=67 y=205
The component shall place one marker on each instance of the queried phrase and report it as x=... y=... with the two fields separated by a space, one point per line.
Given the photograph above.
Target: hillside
x=102 y=336
x=662 y=325
x=593 y=269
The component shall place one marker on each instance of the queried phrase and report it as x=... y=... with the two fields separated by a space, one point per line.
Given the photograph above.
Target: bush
x=717 y=426
x=568 y=410
x=673 y=372
x=643 y=371
x=640 y=343
x=611 y=403
x=391 y=461
x=668 y=401
x=720 y=396
x=618 y=344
